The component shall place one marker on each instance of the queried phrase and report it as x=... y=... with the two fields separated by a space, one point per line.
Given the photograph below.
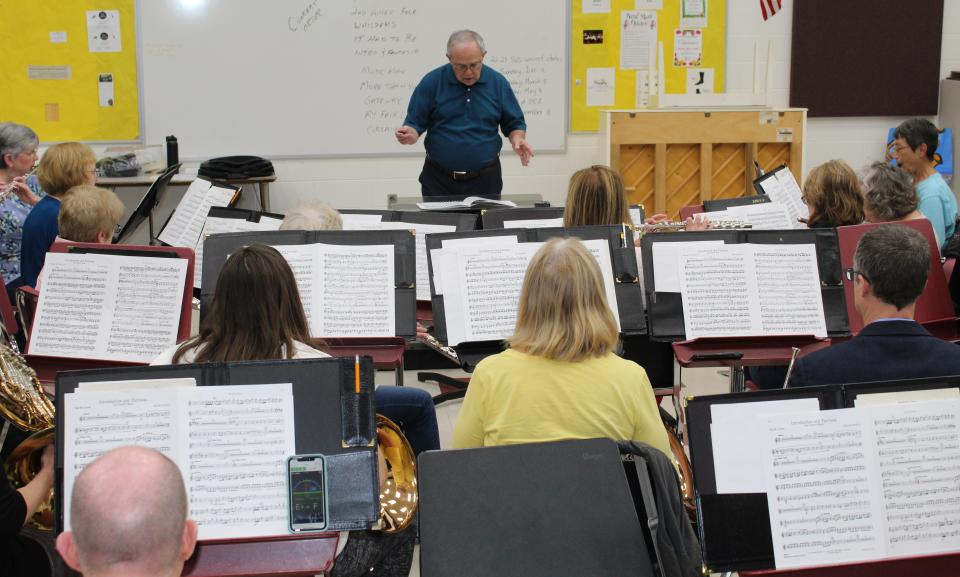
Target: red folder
x=947 y=565
x=295 y=555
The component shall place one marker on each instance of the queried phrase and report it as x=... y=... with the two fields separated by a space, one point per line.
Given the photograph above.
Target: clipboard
x=326 y=410
x=218 y=248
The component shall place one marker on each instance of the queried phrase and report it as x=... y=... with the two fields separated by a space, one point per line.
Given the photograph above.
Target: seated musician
x=312 y=214
x=596 y=196
x=128 y=517
x=889 y=195
x=62 y=167
x=256 y=314
x=890 y=268
x=560 y=378
x=20 y=556
x=89 y=214
x=832 y=193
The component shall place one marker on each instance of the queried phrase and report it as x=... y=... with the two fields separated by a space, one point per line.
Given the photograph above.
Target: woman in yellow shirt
x=560 y=378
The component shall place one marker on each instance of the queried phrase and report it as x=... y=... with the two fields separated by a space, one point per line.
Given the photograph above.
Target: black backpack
x=236 y=167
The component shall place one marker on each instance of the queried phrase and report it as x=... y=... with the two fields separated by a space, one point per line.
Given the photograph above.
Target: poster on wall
x=687 y=47
x=638 y=38
x=693 y=13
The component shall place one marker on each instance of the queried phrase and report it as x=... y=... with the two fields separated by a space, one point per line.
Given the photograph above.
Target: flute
x=13 y=185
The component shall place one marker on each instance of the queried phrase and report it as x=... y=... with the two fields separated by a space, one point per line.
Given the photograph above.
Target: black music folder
x=725 y=203
x=542 y=509
x=735 y=532
x=330 y=418
x=665 y=309
x=623 y=264
x=218 y=248
x=148 y=202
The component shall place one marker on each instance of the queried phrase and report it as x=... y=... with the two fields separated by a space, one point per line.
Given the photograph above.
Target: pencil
x=356 y=373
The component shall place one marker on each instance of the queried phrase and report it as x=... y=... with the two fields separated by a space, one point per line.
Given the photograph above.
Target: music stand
x=149 y=201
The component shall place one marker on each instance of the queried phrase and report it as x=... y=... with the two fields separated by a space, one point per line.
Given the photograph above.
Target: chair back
x=688 y=211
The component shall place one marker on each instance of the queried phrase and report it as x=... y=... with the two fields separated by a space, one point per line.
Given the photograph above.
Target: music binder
x=725 y=203
x=781 y=187
x=185 y=223
x=330 y=418
x=218 y=248
x=148 y=202
x=665 y=309
x=48 y=366
x=627 y=287
x=734 y=528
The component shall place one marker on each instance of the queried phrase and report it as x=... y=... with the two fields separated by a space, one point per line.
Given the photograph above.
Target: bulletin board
x=607 y=64
x=69 y=69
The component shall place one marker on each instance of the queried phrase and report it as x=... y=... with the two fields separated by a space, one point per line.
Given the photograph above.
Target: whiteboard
x=305 y=78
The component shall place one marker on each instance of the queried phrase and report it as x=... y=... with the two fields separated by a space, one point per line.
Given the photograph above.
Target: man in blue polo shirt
x=461 y=107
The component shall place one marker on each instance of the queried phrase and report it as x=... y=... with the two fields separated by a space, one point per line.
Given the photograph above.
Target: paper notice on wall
x=103 y=30
x=648 y=4
x=693 y=13
x=699 y=80
x=596 y=6
x=601 y=86
x=638 y=37
x=643 y=88
x=687 y=47
x=105 y=89
x=58 y=37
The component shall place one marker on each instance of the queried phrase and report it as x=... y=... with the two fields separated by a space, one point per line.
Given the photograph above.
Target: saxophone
x=25 y=405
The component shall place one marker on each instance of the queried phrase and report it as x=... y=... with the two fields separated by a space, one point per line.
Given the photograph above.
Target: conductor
x=461 y=107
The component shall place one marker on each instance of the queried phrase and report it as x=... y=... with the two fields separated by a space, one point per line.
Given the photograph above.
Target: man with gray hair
x=129 y=517
x=461 y=107
x=890 y=268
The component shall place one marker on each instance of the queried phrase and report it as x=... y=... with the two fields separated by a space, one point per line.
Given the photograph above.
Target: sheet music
x=638 y=252
x=636 y=215
x=110 y=307
x=763 y=216
x=788 y=287
x=823 y=501
x=302 y=260
x=866 y=400
x=233 y=458
x=217 y=225
x=600 y=249
x=482 y=303
x=186 y=223
x=666 y=262
x=918 y=450
x=782 y=188
x=714 y=283
x=468 y=202
x=95 y=386
x=352 y=221
x=357 y=291
x=421 y=230
x=444 y=258
x=96 y=422
x=533 y=223
x=736 y=430
x=230 y=443
x=751 y=289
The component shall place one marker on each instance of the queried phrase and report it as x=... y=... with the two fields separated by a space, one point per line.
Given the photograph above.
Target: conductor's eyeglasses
x=473 y=66
x=851 y=274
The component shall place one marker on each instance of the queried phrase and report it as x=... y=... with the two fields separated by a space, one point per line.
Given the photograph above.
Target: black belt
x=464 y=174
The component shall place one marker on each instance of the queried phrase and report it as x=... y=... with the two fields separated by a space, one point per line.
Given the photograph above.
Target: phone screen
x=308 y=499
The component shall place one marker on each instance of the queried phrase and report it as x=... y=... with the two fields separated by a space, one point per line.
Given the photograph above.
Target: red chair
x=688 y=211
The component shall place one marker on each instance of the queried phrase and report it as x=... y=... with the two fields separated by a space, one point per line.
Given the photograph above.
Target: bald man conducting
x=129 y=517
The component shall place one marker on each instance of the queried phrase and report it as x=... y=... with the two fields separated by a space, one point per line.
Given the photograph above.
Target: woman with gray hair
x=889 y=194
x=19 y=191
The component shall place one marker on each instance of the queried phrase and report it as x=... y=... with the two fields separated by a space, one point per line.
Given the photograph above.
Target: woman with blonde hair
x=832 y=192
x=62 y=167
x=560 y=378
x=596 y=196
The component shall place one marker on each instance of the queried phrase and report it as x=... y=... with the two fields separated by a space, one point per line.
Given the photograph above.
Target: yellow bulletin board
x=598 y=81
x=69 y=69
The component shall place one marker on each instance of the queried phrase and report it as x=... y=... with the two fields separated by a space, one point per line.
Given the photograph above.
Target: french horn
x=25 y=405
x=398 y=495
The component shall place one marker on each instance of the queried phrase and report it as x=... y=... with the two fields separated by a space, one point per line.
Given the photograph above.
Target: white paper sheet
x=601 y=86
x=444 y=258
x=230 y=443
x=866 y=400
x=186 y=222
x=638 y=38
x=353 y=221
x=103 y=31
x=97 y=306
x=666 y=262
x=763 y=216
x=136 y=384
x=782 y=188
x=533 y=223
x=600 y=249
x=215 y=225
x=596 y=6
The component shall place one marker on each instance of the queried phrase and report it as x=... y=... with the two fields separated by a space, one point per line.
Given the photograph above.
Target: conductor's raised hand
x=407 y=135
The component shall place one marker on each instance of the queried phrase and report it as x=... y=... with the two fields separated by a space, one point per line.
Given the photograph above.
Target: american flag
x=769 y=8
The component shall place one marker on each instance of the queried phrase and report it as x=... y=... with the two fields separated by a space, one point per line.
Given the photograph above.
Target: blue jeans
x=412 y=409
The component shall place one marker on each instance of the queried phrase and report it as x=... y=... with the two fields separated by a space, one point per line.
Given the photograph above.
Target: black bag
x=236 y=167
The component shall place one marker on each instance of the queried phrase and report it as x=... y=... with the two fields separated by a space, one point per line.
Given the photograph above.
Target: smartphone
x=307 y=487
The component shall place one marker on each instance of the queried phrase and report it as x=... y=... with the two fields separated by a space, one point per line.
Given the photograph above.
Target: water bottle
x=173 y=151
